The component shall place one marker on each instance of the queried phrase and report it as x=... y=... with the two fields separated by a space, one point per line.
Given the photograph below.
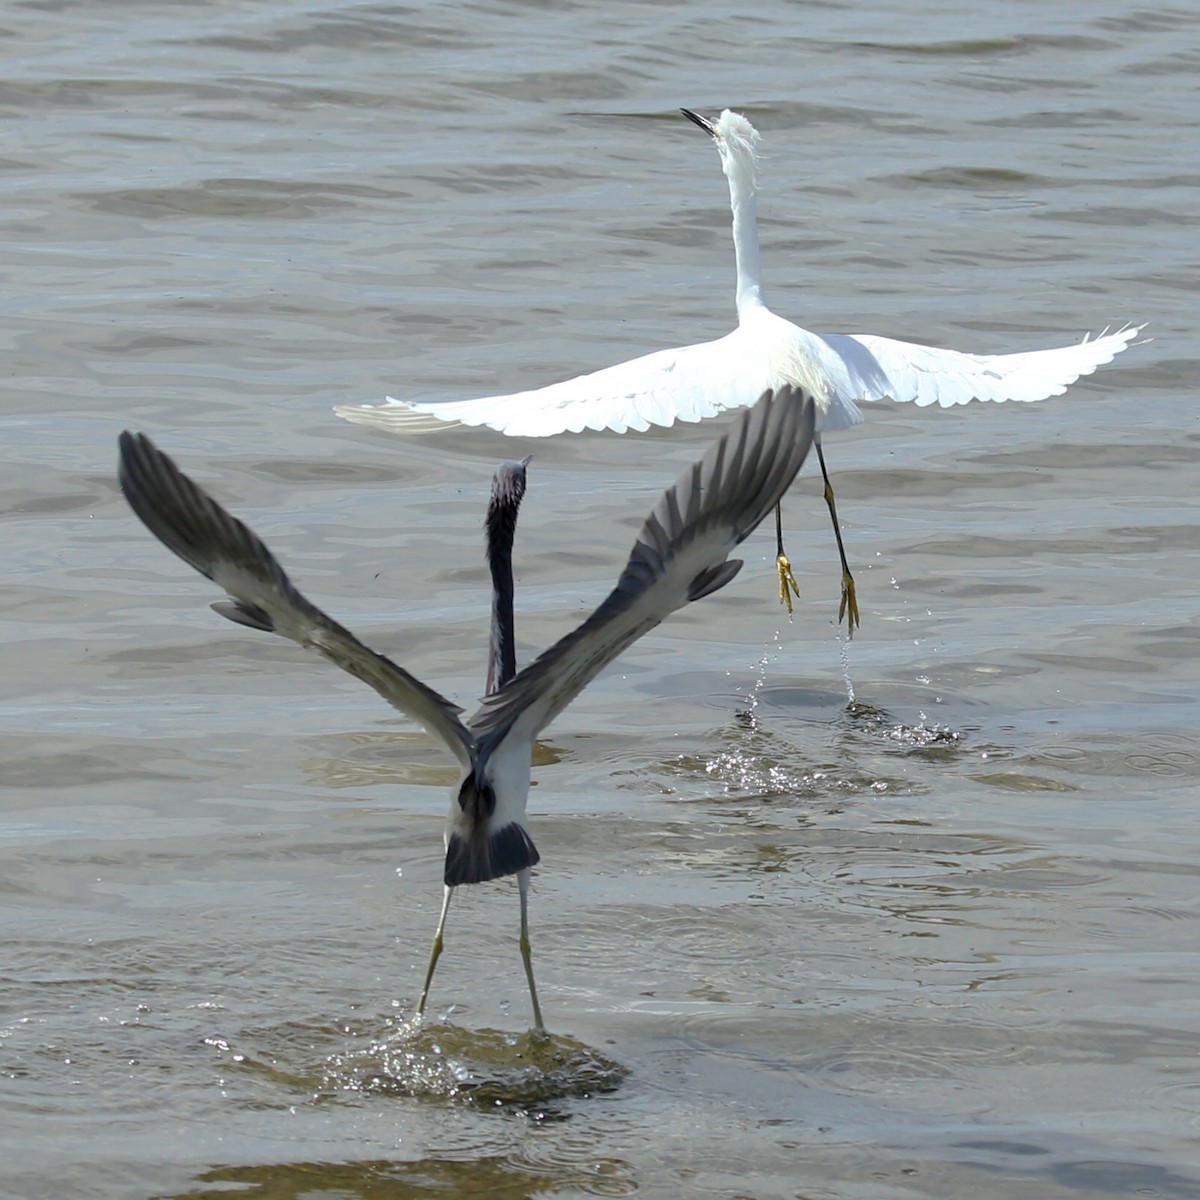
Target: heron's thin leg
x=788 y=587
x=435 y=951
x=849 y=605
x=523 y=884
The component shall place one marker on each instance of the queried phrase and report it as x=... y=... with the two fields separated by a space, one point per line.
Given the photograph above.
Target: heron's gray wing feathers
x=193 y=525
x=681 y=554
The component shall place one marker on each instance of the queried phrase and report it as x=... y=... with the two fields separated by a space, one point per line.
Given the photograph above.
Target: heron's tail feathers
x=480 y=855
x=481 y=842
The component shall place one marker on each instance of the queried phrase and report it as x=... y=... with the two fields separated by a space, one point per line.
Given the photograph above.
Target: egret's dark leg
x=849 y=605
x=523 y=884
x=435 y=951
x=788 y=587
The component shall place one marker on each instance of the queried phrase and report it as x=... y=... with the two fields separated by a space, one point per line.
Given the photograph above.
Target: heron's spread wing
x=879 y=368
x=685 y=384
x=188 y=521
x=680 y=555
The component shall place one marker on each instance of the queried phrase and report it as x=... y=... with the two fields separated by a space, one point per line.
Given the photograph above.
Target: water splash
x=844 y=652
x=770 y=656
x=484 y=1067
x=881 y=724
x=395 y=1056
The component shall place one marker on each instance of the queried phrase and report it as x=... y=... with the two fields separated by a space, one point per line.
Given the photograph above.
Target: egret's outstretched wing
x=681 y=554
x=192 y=524
x=879 y=368
x=692 y=383
x=689 y=383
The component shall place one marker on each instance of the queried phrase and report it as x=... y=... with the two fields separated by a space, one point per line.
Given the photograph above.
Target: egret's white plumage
x=691 y=383
x=681 y=554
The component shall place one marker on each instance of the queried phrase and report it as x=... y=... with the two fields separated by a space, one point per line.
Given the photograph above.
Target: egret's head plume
x=737 y=131
x=736 y=139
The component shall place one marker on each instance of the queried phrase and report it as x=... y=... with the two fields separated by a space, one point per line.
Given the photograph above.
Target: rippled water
x=940 y=941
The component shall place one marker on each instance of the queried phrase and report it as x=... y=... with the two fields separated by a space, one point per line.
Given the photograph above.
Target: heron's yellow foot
x=849 y=605
x=788 y=587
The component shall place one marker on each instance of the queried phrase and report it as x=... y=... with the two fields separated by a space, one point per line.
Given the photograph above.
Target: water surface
x=939 y=942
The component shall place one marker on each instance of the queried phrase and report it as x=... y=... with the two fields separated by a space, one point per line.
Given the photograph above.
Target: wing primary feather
x=680 y=555
x=713 y=579
x=194 y=526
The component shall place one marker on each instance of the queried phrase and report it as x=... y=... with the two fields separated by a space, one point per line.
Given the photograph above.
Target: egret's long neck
x=743 y=201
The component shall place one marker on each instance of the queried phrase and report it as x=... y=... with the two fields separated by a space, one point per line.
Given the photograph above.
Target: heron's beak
x=697 y=119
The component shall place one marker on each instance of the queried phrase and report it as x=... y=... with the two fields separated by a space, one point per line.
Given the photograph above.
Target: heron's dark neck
x=508 y=487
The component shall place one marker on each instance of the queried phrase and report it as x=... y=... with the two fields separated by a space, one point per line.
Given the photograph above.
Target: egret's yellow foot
x=788 y=587
x=849 y=605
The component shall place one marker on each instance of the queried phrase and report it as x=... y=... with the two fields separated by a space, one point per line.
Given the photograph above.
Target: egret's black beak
x=697 y=119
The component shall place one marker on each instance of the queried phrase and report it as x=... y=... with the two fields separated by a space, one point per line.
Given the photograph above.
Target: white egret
x=764 y=351
x=681 y=554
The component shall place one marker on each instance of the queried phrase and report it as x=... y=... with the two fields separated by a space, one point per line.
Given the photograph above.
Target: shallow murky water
x=910 y=916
